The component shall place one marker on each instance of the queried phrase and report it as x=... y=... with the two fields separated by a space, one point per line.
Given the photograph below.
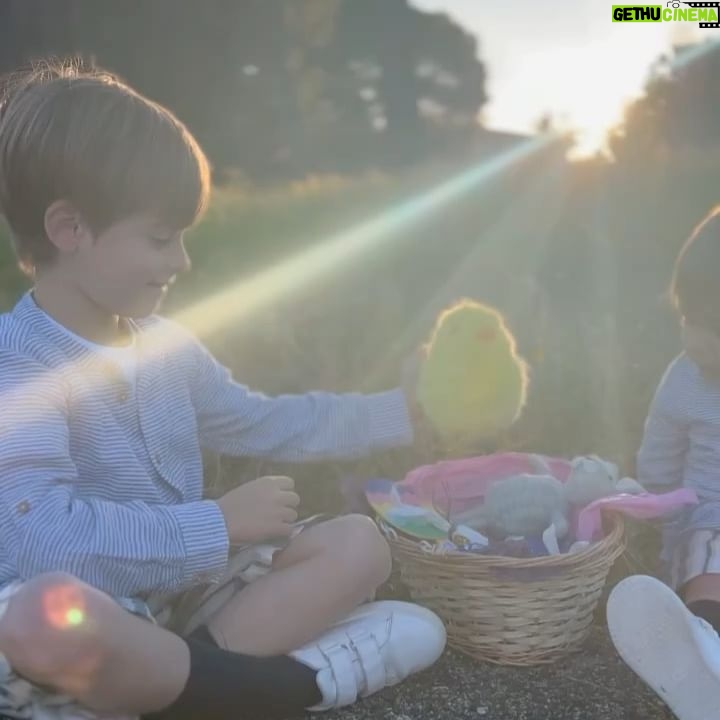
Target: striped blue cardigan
x=103 y=479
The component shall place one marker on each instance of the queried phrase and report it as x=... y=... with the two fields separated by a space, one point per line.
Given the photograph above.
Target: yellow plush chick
x=472 y=383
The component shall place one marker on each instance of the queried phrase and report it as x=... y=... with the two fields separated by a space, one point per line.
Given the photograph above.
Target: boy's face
x=127 y=268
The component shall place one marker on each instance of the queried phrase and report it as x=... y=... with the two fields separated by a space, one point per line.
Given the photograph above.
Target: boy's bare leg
x=60 y=632
x=702 y=587
x=323 y=574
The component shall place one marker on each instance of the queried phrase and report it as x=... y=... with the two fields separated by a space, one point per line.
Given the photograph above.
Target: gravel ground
x=591 y=685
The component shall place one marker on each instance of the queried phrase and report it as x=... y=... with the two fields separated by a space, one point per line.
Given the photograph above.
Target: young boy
x=671 y=640
x=105 y=408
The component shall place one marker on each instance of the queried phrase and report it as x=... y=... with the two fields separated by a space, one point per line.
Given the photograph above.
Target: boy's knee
x=50 y=628
x=363 y=548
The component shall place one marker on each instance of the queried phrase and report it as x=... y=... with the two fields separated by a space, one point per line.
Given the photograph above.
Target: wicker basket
x=512 y=611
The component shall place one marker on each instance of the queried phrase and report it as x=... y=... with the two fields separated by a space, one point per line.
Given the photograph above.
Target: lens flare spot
x=75 y=616
x=64 y=606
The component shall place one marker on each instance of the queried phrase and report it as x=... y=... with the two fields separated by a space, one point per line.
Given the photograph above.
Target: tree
x=275 y=88
x=679 y=111
x=417 y=72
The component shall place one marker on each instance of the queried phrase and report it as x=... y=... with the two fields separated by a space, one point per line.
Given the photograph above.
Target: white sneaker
x=378 y=645
x=676 y=653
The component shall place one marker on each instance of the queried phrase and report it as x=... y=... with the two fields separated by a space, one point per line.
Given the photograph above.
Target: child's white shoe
x=378 y=645
x=676 y=653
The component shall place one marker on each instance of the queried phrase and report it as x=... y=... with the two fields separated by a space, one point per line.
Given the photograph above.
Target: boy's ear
x=64 y=226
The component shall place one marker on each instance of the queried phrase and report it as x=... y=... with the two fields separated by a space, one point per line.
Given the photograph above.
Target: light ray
x=210 y=315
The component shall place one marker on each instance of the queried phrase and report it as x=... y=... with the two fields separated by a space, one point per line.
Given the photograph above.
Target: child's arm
x=121 y=547
x=661 y=458
x=313 y=426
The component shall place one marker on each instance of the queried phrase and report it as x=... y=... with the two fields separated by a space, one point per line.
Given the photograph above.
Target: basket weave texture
x=512 y=611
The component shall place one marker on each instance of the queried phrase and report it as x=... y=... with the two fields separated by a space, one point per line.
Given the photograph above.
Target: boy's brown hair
x=82 y=135
x=695 y=284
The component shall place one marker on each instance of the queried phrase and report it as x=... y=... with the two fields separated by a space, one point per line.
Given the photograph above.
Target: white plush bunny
x=592 y=478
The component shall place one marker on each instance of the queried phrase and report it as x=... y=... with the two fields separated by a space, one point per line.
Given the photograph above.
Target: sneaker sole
x=653 y=634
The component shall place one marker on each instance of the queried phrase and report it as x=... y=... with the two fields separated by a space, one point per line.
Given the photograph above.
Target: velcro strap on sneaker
x=340 y=660
x=368 y=652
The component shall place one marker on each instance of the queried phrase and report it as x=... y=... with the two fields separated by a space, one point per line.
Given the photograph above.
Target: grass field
x=596 y=343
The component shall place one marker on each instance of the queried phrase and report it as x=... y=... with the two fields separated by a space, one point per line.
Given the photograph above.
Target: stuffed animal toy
x=592 y=478
x=520 y=506
x=529 y=504
x=471 y=382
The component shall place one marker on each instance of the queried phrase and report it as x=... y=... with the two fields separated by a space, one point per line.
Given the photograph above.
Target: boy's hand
x=261 y=509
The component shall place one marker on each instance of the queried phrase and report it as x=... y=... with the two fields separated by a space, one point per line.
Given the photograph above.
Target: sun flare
x=598 y=81
x=586 y=86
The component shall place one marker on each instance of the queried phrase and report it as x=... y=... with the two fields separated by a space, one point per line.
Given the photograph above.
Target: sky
x=565 y=57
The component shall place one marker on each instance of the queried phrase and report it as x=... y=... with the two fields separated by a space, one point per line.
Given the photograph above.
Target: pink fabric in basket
x=643 y=507
x=455 y=485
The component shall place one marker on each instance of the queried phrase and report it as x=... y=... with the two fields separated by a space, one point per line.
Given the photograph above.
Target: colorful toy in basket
x=520 y=506
x=529 y=504
x=410 y=515
x=471 y=383
x=405 y=511
x=592 y=478
x=510 y=495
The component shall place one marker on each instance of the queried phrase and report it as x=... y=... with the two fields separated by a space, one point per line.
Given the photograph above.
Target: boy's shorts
x=181 y=613
x=698 y=555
